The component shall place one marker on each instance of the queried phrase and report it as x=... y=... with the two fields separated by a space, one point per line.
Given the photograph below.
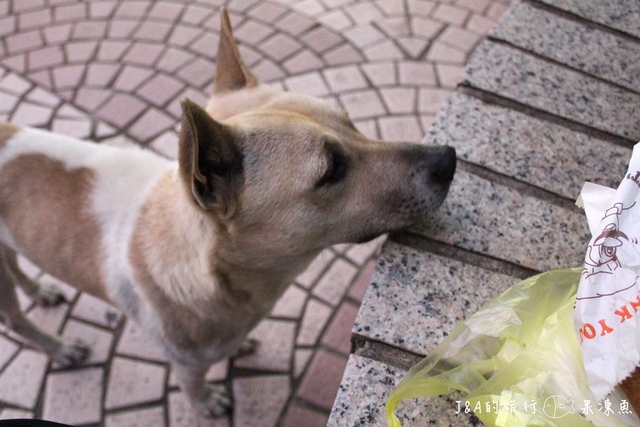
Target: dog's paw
x=247 y=348
x=70 y=353
x=216 y=404
x=48 y=295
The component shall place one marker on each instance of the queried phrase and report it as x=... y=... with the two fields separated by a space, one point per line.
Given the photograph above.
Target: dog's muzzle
x=441 y=164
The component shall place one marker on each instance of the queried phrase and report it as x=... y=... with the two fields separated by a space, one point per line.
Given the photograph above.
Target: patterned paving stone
x=74 y=397
x=21 y=380
x=133 y=382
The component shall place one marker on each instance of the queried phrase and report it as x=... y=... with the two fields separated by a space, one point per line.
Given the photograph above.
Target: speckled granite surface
x=558 y=90
x=526 y=148
x=620 y=15
x=415 y=297
x=550 y=101
x=365 y=388
x=486 y=217
x=610 y=56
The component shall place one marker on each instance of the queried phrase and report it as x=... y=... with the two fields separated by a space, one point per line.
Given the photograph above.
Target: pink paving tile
x=364 y=35
x=172 y=59
x=310 y=8
x=302 y=62
x=49 y=319
x=160 y=89
x=74 y=397
x=131 y=77
x=380 y=73
x=12 y=83
x=112 y=50
x=20 y=381
x=291 y=304
x=22 y=42
x=142 y=53
x=27 y=5
x=72 y=12
x=320 y=384
x=8 y=349
x=335 y=282
x=133 y=382
x=267 y=71
x=308 y=83
x=421 y=7
x=135 y=343
x=479 y=24
x=35 y=19
x=205 y=45
x=417 y=73
x=343 y=79
x=478 y=6
x=386 y=49
x=165 y=11
x=449 y=75
x=121 y=109
x=364 y=12
x=363 y=104
x=7 y=25
x=57 y=33
x=267 y=12
x=343 y=54
x=68 y=76
x=338 y=334
x=430 y=100
x=309 y=277
x=459 y=38
x=337 y=20
x=45 y=58
x=153 y=31
x=90 y=30
x=361 y=284
x=297 y=416
x=442 y=53
x=425 y=27
x=260 y=400
x=252 y=32
x=450 y=14
x=280 y=46
x=275 y=349
x=399 y=99
x=315 y=318
x=132 y=9
x=31 y=115
x=96 y=311
x=153 y=416
x=101 y=9
x=101 y=74
x=321 y=39
x=121 y=29
x=98 y=340
x=197 y=73
x=181 y=414
x=14 y=414
x=91 y=99
x=400 y=128
x=294 y=23
x=152 y=123
x=80 y=51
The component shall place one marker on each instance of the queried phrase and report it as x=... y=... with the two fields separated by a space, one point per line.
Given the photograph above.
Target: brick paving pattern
x=114 y=72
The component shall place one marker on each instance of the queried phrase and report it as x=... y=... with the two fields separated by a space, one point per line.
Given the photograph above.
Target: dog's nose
x=442 y=164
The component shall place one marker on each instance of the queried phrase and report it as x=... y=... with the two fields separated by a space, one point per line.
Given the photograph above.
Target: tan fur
x=6 y=132
x=73 y=252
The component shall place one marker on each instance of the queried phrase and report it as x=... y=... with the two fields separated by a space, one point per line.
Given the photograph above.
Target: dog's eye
x=337 y=165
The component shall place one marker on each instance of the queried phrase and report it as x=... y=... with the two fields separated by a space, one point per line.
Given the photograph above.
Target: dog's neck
x=180 y=250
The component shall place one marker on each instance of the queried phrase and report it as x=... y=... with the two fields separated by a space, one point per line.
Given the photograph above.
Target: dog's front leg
x=209 y=400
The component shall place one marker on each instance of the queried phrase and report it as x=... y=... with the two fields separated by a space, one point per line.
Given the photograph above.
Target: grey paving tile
x=492 y=219
x=433 y=293
x=21 y=380
x=181 y=414
x=259 y=401
x=607 y=55
x=74 y=397
x=153 y=416
x=558 y=90
x=133 y=382
x=369 y=383
x=622 y=15
x=276 y=340
x=532 y=150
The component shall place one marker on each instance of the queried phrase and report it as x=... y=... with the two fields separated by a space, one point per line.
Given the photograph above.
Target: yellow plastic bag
x=516 y=360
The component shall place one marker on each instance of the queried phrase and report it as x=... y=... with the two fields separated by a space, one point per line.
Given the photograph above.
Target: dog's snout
x=442 y=164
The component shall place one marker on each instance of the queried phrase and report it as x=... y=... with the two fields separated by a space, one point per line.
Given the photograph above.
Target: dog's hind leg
x=42 y=294
x=64 y=351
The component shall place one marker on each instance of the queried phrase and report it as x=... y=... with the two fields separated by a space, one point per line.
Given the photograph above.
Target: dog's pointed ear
x=231 y=73
x=210 y=160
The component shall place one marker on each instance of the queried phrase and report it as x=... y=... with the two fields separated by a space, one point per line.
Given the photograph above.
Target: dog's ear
x=231 y=73
x=210 y=160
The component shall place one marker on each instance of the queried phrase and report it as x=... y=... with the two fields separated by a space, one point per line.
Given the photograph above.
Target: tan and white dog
x=198 y=251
